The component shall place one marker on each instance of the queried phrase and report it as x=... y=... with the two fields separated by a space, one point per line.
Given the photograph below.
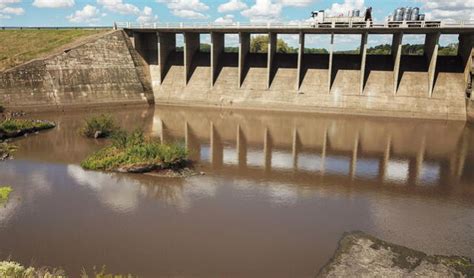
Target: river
x=279 y=191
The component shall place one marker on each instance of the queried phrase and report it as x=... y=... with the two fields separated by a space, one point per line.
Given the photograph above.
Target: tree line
x=259 y=44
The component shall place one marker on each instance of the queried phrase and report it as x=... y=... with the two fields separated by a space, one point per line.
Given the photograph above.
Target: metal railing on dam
x=303 y=26
x=426 y=86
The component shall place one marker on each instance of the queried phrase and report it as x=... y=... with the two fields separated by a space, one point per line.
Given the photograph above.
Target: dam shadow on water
x=279 y=191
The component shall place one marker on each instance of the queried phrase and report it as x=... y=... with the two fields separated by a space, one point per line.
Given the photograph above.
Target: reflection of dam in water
x=253 y=143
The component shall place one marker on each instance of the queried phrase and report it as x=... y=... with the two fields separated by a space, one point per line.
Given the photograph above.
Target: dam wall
x=424 y=86
x=101 y=70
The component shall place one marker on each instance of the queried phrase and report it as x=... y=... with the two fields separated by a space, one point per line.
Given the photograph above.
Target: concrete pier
x=396 y=55
x=431 y=54
x=191 y=47
x=244 y=49
x=331 y=58
x=166 y=46
x=299 y=74
x=217 y=48
x=363 y=54
x=272 y=45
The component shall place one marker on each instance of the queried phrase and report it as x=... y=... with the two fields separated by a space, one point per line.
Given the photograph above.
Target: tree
x=259 y=44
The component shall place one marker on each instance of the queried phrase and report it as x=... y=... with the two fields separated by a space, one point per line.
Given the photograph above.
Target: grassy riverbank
x=20 y=46
x=135 y=153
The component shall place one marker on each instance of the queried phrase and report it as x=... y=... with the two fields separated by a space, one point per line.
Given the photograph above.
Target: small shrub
x=6 y=150
x=15 y=270
x=101 y=126
x=133 y=149
x=5 y=193
x=103 y=273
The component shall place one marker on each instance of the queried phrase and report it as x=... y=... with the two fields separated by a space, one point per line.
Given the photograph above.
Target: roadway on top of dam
x=465 y=27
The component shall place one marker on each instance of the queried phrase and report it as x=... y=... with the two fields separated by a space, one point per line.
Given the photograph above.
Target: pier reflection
x=271 y=145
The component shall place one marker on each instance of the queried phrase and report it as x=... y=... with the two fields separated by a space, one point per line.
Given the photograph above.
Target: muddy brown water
x=280 y=190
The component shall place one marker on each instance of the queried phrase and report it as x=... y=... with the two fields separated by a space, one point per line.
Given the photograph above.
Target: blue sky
x=106 y=12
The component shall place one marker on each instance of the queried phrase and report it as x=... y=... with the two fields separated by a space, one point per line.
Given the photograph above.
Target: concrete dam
x=428 y=86
x=144 y=65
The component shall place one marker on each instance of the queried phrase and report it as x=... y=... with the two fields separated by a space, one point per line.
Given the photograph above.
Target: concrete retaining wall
x=428 y=86
x=103 y=70
x=377 y=98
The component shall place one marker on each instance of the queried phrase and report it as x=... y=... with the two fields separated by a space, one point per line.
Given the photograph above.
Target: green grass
x=130 y=150
x=5 y=193
x=20 y=46
x=103 y=124
x=11 y=125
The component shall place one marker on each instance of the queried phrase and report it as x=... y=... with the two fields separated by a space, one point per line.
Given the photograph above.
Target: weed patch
x=101 y=126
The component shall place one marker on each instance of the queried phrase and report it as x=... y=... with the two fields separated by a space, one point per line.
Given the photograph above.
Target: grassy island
x=11 y=128
x=133 y=153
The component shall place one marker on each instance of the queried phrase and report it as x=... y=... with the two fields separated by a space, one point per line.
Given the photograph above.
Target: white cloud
x=119 y=6
x=147 y=16
x=6 y=11
x=190 y=9
x=4 y=3
x=53 y=3
x=190 y=14
x=344 y=8
x=296 y=3
x=263 y=11
x=87 y=15
x=195 y=5
x=10 y=10
x=453 y=10
x=226 y=19
x=232 y=6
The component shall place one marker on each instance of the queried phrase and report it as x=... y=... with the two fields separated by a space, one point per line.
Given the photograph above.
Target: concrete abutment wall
x=100 y=70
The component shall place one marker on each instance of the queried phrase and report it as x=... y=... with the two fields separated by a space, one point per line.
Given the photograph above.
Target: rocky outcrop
x=101 y=70
x=361 y=255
